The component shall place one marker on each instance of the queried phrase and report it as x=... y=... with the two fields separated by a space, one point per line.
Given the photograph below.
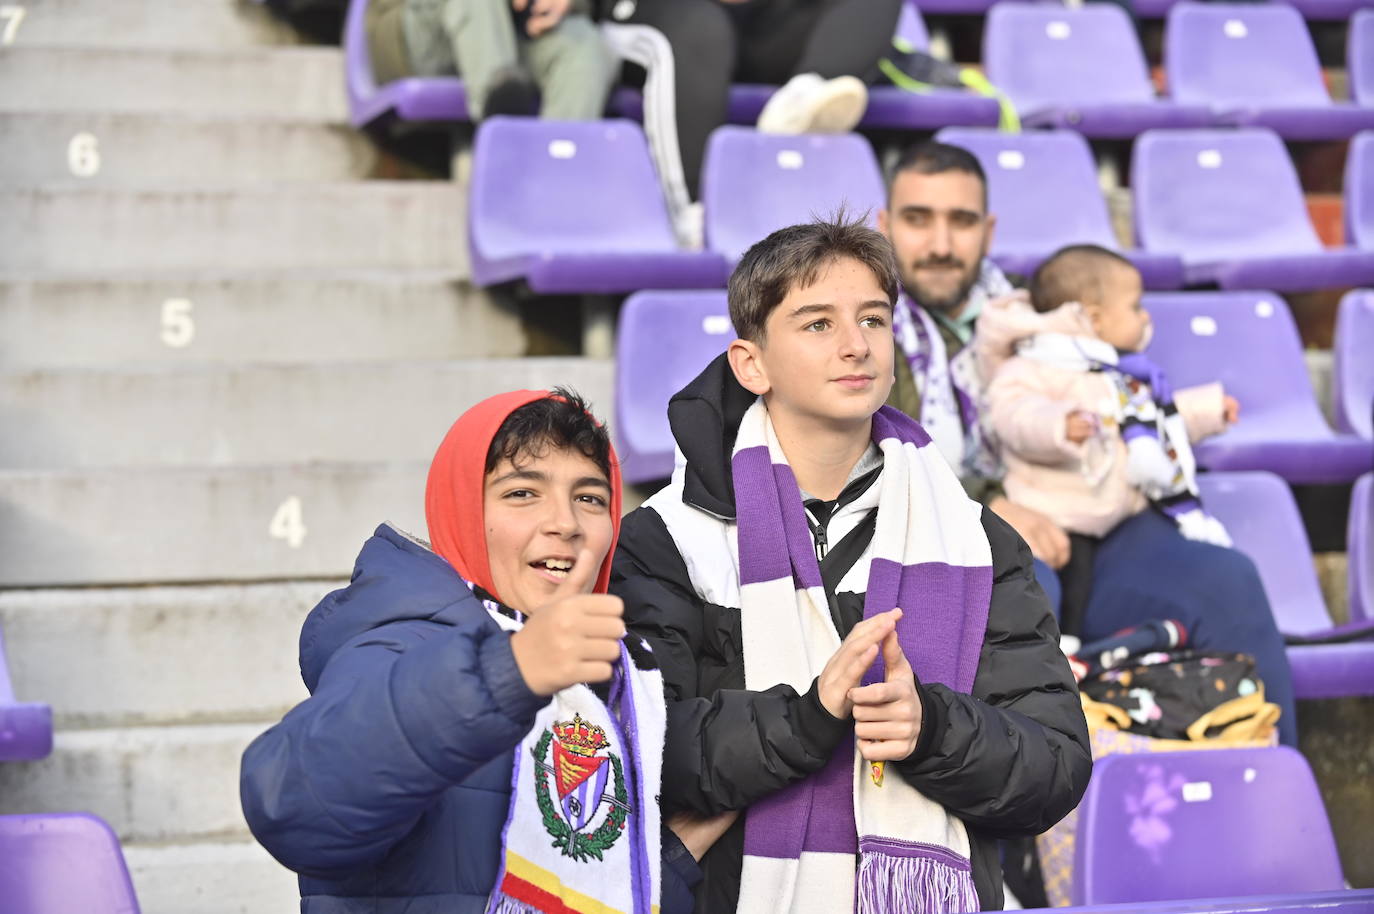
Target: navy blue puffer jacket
x=387 y=789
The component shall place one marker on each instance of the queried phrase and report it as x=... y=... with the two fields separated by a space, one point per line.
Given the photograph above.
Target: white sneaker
x=810 y=104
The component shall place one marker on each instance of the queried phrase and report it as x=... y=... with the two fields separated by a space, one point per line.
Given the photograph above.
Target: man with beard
x=938 y=221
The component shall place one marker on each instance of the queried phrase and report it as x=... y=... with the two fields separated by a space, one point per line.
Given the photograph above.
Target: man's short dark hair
x=935 y=158
x=1074 y=273
x=560 y=421
x=793 y=257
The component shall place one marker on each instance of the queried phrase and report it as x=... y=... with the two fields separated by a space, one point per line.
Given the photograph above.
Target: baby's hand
x=1079 y=426
x=1230 y=410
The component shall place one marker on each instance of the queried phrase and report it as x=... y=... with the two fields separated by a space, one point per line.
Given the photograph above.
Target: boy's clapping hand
x=847 y=666
x=887 y=714
x=573 y=638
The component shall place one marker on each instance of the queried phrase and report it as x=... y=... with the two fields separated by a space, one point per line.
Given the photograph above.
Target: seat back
x=1260 y=514
x=1202 y=824
x=1359 y=548
x=1240 y=54
x=551 y=187
x=1354 y=364
x=1045 y=55
x=754 y=183
x=911 y=27
x=1360 y=57
x=60 y=863
x=1042 y=186
x=664 y=340
x=1359 y=186
x=1197 y=195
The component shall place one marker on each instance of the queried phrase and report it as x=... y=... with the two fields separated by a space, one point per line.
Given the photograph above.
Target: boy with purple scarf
x=857 y=658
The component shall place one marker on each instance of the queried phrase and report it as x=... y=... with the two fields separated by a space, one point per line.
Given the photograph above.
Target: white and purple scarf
x=930 y=556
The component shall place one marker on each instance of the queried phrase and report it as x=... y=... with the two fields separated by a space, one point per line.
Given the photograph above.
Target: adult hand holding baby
x=1080 y=426
x=1230 y=410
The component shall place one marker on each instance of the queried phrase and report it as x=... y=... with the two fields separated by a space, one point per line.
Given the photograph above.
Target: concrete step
x=304 y=83
x=54 y=322
x=149 y=23
x=155 y=525
x=359 y=226
x=210 y=877
x=149 y=783
x=93 y=149
x=261 y=414
x=159 y=655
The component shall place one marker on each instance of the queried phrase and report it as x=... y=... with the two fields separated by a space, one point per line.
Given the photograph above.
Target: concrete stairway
x=226 y=354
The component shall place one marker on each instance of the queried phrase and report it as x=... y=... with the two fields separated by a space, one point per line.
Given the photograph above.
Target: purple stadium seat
x=1359 y=57
x=1228 y=202
x=1359 y=189
x=25 y=727
x=753 y=183
x=1202 y=824
x=1344 y=901
x=1359 y=549
x=1227 y=337
x=575 y=207
x=1327 y=10
x=62 y=863
x=1043 y=188
x=1354 y=366
x=664 y=340
x=1078 y=68
x=1260 y=514
x=1255 y=65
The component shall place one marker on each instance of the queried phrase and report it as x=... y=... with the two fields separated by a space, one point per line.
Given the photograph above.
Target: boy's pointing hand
x=887 y=715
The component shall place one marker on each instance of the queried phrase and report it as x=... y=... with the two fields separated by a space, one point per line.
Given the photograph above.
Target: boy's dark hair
x=935 y=158
x=561 y=421
x=1073 y=273
x=793 y=257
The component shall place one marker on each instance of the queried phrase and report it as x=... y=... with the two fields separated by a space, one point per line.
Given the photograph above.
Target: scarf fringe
x=504 y=904
x=889 y=884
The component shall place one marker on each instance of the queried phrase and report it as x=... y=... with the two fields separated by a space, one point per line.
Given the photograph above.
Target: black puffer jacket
x=1010 y=759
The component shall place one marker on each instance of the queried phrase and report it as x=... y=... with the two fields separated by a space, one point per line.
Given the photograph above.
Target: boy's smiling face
x=827 y=350
x=544 y=513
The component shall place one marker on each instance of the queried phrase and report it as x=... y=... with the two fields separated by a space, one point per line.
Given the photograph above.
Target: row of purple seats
x=1227 y=64
x=1262 y=517
x=61 y=863
x=1345 y=901
x=25 y=727
x=1169 y=826
x=1320 y=10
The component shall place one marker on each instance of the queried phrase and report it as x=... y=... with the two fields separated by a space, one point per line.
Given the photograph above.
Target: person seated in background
x=510 y=53
x=938 y=220
x=855 y=654
x=481 y=734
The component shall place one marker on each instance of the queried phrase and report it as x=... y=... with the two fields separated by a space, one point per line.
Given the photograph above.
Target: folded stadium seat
x=415 y=99
x=1260 y=514
x=1202 y=824
x=58 y=863
x=1228 y=202
x=753 y=183
x=1359 y=190
x=1255 y=65
x=889 y=106
x=1359 y=550
x=25 y=727
x=1359 y=57
x=1042 y=187
x=1079 y=68
x=1353 y=390
x=575 y=208
x=648 y=371
x=1248 y=341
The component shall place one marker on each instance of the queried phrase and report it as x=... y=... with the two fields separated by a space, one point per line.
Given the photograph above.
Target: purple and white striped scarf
x=929 y=556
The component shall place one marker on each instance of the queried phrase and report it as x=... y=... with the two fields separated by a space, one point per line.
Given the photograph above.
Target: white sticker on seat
x=1058 y=30
x=715 y=324
x=1202 y=325
x=1264 y=309
x=790 y=159
x=1209 y=158
x=562 y=149
x=1011 y=159
x=1250 y=775
x=1235 y=28
x=1197 y=792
